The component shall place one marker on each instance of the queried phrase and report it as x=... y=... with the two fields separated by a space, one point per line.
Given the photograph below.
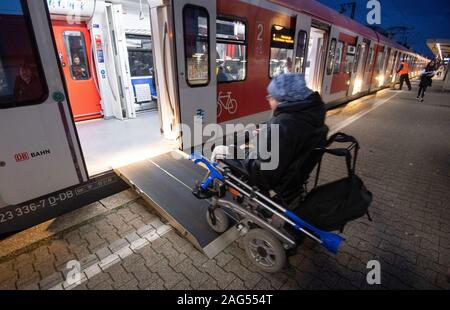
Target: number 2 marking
x=260 y=32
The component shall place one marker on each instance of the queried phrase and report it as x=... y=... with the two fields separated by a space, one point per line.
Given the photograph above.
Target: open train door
x=39 y=151
x=356 y=77
x=327 y=92
x=195 y=28
x=302 y=39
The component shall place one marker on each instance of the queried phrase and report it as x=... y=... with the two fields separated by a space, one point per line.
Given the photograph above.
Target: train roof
x=327 y=14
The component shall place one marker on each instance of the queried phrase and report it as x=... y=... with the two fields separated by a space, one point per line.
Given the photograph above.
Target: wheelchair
x=271 y=222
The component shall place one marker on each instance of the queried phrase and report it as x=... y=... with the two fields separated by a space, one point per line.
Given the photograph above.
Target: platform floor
x=107 y=144
x=404 y=161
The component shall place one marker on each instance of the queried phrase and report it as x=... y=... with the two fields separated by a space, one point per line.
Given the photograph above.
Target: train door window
x=356 y=58
x=338 y=57
x=387 y=59
x=331 y=56
x=231 y=63
x=196 y=45
x=380 y=61
x=350 y=58
x=22 y=81
x=281 y=51
x=370 y=59
x=300 y=54
x=77 y=55
x=140 y=55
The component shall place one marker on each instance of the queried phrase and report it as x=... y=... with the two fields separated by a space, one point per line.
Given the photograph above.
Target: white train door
x=39 y=148
x=302 y=39
x=330 y=64
x=195 y=29
x=124 y=107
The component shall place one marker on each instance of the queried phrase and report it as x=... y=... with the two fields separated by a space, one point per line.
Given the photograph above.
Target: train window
x=77 y=55
x=350 y=58
x=356 y=58
x=22 y=81
x=140 y=55
x=380 y=61
x=196 y=44
x=231 y=50
x=300 y=54
x=331 y=56
x=370 y=59
x=338 y=57
x=281 y=51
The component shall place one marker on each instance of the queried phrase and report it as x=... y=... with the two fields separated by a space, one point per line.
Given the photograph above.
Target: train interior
x=113 y=96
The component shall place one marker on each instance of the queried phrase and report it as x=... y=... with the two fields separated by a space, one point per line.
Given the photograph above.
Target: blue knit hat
x=289 y=87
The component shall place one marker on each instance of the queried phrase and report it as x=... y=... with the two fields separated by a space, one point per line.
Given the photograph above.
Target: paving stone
x=222 y=277
x=119 y=199
x=51 y=281
x=196 y=278
x=102 y=278
x=118 y=244
x=250 y=278
x=102 y=253
x=168 y=251
x=169 y=276
x=119 y=275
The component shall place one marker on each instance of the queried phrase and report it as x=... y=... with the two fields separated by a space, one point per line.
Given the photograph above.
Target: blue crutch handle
x=214 y=174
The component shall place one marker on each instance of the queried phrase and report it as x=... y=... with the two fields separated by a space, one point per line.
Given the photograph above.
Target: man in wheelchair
x=299 y=113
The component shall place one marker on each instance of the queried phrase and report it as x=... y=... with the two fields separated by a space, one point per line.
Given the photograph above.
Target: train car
x=210 y=62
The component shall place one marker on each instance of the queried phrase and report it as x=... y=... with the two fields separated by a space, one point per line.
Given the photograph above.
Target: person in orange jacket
x=404 y=74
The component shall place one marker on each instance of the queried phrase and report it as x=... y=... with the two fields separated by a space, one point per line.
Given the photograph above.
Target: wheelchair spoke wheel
x=264 y=250
x=221 y=223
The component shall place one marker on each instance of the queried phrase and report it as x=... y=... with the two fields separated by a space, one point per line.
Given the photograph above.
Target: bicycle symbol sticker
x=225 y=102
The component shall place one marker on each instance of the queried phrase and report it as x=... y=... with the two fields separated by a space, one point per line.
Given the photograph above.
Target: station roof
x=440 y=47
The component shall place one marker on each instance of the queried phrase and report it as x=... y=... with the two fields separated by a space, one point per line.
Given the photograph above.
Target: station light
x=439 y=49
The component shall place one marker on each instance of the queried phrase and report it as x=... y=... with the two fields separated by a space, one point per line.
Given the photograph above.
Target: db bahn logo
x=26 y=156
x=21 y=157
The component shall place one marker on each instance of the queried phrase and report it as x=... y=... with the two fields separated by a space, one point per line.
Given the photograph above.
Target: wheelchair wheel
x=222 y=222
x=264 y=250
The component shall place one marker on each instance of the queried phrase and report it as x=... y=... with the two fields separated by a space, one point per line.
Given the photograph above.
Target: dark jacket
x=426 y=78
x=297 y=121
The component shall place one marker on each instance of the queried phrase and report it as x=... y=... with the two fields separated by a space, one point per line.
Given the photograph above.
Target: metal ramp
x=166 y=183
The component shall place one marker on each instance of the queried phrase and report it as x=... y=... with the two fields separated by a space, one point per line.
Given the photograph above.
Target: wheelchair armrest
x=236 y=167
x=341 y=137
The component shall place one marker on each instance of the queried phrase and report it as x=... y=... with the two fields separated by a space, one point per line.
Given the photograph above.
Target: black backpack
x=331 y=206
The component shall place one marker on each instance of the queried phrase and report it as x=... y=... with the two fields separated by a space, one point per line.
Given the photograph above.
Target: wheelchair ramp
x=166 y=183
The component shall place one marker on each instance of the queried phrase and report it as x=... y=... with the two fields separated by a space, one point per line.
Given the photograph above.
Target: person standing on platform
x=426 y=80
x=404 y=74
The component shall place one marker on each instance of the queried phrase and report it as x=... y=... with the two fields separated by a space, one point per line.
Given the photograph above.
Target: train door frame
x=328 y=76
x=88 y=85
x=197 y=96
x=321 y=55
x=303 y=26
x=368 y=61
x=375 y=79
x=49 y=148
x=356 y=81
x=124 y=107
